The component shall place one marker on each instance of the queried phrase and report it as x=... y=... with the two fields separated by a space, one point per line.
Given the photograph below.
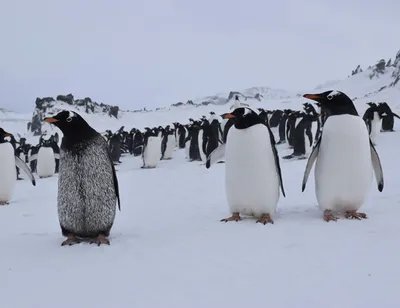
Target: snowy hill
x=379 y=82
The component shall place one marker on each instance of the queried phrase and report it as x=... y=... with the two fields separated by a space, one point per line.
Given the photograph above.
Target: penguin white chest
x=46 y=164
x=343 y=170
x=8 y=173
x=152 y=152
x=171 y=143
x=251 y=179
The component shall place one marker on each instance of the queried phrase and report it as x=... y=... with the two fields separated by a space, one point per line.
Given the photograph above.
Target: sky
x=152 y=53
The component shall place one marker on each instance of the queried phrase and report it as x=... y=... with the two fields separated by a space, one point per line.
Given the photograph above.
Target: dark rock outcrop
x=48 y=106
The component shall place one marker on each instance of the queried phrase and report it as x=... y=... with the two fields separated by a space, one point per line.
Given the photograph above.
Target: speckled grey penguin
x=87 y=185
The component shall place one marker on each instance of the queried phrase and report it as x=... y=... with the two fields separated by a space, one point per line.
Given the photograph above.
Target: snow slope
x=168 y=248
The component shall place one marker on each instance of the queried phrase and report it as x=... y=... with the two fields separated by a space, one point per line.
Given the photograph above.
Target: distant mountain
x=377 y=82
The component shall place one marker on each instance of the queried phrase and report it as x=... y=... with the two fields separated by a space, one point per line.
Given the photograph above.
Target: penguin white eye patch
x=70 y=116
x=332 y=94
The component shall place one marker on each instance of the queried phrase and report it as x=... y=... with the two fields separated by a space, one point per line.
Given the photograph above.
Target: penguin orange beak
x=50 y=120
x=314 y=97
x=7 y=134
x=229 y=116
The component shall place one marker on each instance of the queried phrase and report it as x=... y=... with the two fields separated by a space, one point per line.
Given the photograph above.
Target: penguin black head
x=244 y=117
x=334 y=102
x=73 y=126
x=4 y=134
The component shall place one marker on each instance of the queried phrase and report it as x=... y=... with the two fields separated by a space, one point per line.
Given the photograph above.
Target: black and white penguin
x=115 y=148
x=192 y=141
x=316 y=125
x=282 y=126
x=8 y=172
x=387 y=116
x=343 y=155
x=213 y=132
x=46 y=160
x=88 y=186
x=301 y=137
x=168 y=143
x=373 y=121
x=151 y=153
x=203 y=138
x=253 y=173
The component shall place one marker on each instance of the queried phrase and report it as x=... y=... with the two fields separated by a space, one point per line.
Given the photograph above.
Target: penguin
x=282 y=126
x=373 y=121
x=192 y=142
x=151 y=153
x=115 y=147
x=8 y=172
x=252 y=174
x=87 y=185
x=213 y=132
x=387 y=116
x=46 y=161
x=316 y=123
x=345 y=157
x=301 y=137
x=168 y=143
x=203 y=138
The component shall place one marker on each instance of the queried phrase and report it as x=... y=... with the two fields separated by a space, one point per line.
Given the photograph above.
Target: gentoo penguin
x=8 y=172
x=87 y=184
x=168 y=143
x=373 y=121
x=345 y=157
x=213 y=132
x=46 y=160
x=151 y=153
x=252 y=174
x=192 y=141
x=301 y=137
x=387 y=116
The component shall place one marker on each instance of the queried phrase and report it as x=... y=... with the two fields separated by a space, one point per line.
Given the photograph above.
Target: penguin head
x=335 y=102
x=70 y=123
x=4 y=134
x=244 y=117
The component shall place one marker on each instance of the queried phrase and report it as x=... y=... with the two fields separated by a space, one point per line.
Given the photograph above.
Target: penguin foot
x=235 y=217
x=100 y=239
x=4 y=203
x=265 y=219
x=71 y=240
x=355 y=215
x=328 y=216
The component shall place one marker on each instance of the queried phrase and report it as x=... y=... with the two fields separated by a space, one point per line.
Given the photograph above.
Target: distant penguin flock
x=331 y=135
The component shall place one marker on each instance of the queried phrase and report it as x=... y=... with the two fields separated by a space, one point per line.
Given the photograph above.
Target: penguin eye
x=329 y=97
x=69 y=119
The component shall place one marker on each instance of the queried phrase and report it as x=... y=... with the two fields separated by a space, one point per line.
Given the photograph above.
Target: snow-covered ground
x=169 y=249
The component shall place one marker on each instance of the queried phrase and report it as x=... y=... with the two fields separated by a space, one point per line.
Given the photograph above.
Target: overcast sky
x=136 y=53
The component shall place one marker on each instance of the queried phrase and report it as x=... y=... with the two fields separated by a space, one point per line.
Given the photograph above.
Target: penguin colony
x=243 y=139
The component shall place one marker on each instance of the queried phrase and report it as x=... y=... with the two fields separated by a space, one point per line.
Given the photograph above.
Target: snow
x=169 y=248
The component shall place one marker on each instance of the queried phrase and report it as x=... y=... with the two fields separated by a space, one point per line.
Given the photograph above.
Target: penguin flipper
x=276 y=158
x=310 y=163
x=21 y=165
x=216 y=155
x=33 y=157
x=376 y=164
